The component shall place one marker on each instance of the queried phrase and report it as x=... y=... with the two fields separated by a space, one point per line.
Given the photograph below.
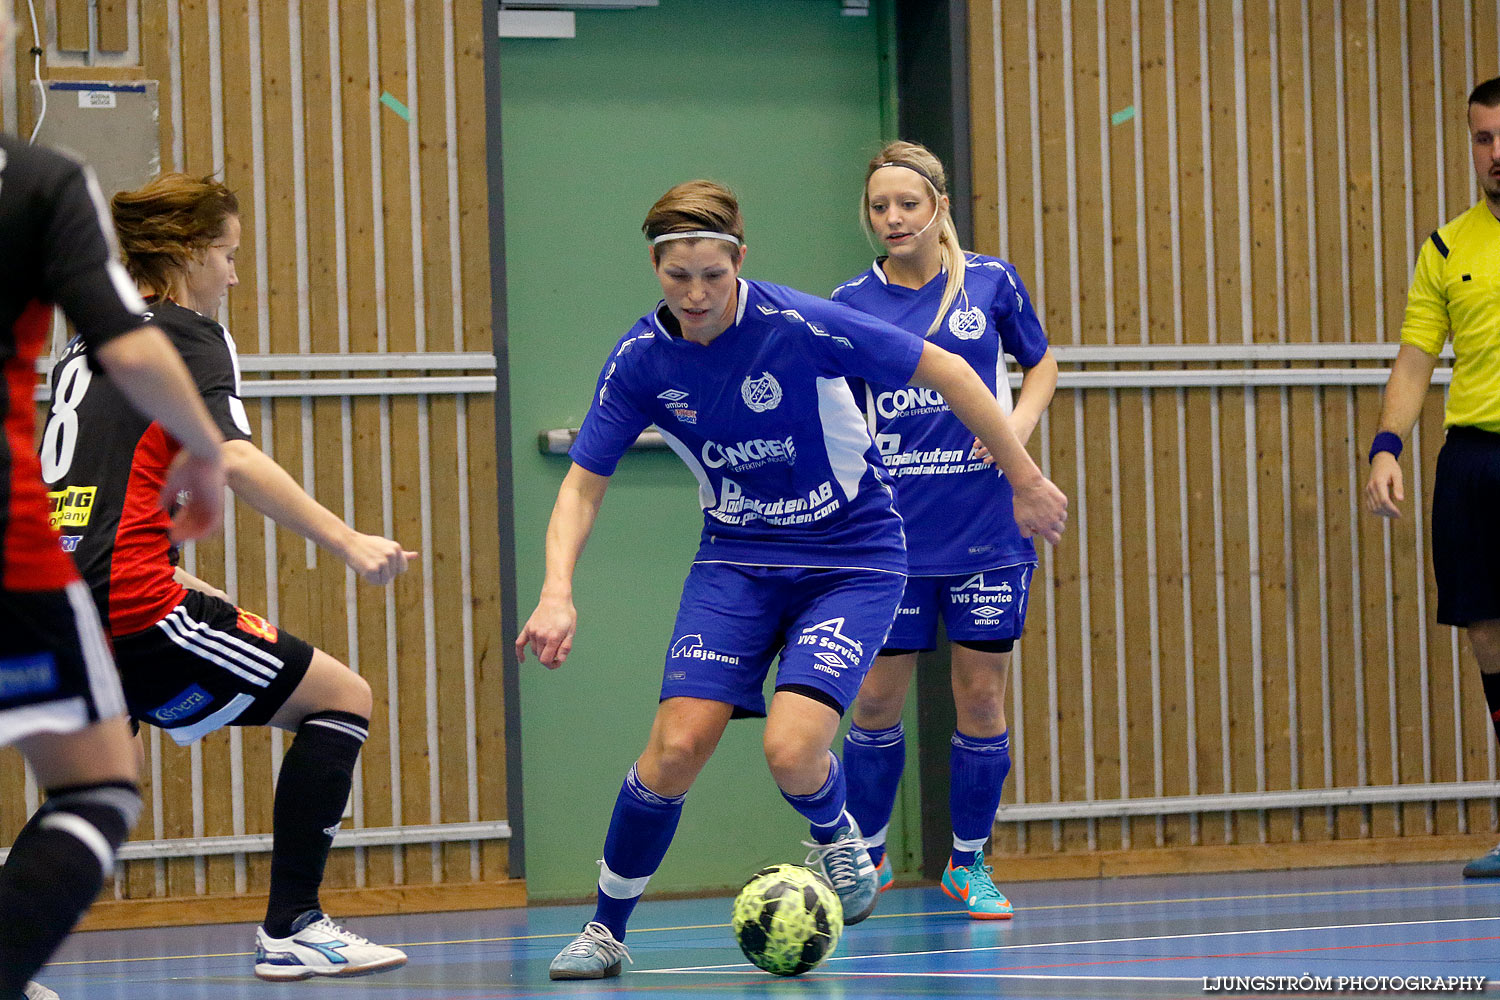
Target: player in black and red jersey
x=191 y=662
x=60 y=699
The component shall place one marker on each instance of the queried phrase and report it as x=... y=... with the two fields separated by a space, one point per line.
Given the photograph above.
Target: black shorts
x=207 y=665
x=56 y=675
x=1466 y=527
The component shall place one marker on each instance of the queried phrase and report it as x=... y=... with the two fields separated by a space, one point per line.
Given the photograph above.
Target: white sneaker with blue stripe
x=320 y=947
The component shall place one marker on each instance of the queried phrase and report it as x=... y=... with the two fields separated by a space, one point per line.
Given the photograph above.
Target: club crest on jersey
x=967 y=324
x=761 y=394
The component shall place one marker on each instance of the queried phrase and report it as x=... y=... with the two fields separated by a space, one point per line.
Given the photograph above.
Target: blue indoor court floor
x=1157 y=936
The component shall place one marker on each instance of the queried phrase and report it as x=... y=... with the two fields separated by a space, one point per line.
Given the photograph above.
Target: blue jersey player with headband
x=969 y=559
x=802 y=553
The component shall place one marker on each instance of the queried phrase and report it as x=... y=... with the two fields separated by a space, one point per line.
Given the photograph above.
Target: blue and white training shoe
x=846 y=865
x=594 y=954
x=320 y=947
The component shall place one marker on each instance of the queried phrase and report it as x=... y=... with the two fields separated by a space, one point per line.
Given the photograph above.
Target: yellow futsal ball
x=787 y=919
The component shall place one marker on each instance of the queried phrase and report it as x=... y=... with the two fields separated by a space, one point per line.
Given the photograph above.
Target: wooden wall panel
x=114 y=25
x=73 y=25
x=363 y=231
x=1163 y=173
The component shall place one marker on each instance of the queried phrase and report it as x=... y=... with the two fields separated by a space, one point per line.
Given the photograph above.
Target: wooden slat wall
x=363 y=232
x=73 y=25
x=1222 y=616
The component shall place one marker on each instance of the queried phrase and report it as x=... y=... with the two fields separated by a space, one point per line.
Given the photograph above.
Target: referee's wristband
x=1386 y=441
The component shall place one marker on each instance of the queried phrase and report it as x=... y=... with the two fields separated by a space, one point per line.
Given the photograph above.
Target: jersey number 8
x=61 y=436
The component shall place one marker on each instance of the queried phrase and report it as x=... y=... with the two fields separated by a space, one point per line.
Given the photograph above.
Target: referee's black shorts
x=1466 y=527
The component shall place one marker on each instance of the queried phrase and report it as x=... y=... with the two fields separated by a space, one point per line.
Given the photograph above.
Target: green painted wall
x=781 y=100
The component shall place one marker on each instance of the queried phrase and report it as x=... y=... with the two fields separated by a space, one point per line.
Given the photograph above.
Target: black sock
x=55 y=870
x=311 y=793
x=1491 y=684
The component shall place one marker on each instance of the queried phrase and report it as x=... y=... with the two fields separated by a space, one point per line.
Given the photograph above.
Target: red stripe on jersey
x=141 y=588
x=33 y=558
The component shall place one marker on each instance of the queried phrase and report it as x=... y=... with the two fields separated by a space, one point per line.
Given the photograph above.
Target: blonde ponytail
x=957 y=264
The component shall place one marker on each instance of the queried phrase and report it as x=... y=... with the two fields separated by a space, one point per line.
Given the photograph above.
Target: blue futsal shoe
x=319 y=947
x=846 y=865
x=594 y=954
x=1487 y=866
x=973 y=887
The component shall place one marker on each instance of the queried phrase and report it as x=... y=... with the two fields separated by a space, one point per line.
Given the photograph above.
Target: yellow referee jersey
x=1456 y=288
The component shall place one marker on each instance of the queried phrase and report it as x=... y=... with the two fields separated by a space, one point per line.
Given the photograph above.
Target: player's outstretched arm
x=259 y=481
x=1040 y=507
x=549 y=631
x=1411 y=374
x=145 y=366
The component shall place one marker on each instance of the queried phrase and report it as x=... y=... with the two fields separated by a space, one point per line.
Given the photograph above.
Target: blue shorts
x=986 y=606
x=827 y=624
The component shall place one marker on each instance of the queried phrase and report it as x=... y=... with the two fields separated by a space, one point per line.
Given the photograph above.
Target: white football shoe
x=320 y=947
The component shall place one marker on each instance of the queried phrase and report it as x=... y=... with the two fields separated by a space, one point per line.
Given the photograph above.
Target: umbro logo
x=672 y=395
x=987 y=612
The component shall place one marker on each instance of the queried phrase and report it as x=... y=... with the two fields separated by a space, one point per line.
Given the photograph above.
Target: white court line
x=1125 y=940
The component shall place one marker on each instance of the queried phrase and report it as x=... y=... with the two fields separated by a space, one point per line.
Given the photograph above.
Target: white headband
x=697 y=234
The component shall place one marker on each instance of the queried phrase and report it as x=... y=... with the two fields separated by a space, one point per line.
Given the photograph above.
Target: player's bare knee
x=982 y=718
x=355 y=695
x=1484 y=639
x=790 y=757
x=877 y=709
x=680 y=755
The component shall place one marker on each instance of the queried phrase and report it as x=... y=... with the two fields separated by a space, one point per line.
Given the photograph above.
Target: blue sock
x=873 y=762
x=640 y=831
x=824 y=808
x=976 y=778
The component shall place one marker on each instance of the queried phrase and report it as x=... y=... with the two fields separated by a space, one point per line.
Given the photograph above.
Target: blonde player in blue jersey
x=802 y=555
x=968 y=559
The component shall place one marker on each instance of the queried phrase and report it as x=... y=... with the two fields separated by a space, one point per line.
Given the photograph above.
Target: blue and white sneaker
x=594 y=954
x=1486 y=866
x=320 y=947
x=846 y=865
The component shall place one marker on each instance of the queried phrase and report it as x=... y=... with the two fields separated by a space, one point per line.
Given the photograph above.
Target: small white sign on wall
x=96 y=99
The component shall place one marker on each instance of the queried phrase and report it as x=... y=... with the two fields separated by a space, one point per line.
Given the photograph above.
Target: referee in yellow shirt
x=1456 y=289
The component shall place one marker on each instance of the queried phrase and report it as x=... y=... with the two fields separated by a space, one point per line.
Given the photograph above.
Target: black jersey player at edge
x=191 y=662
x=60 y=699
